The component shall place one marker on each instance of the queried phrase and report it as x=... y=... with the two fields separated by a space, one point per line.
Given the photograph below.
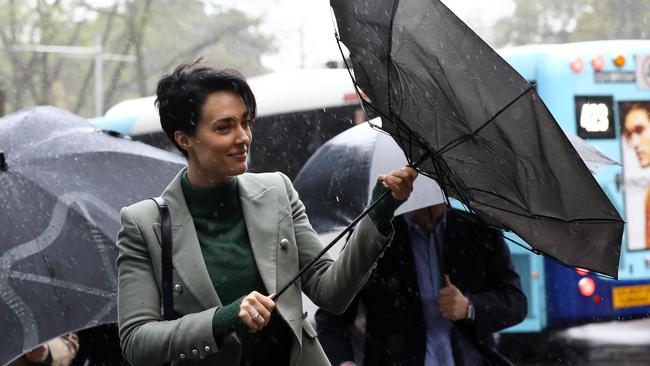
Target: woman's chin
x=240 y=169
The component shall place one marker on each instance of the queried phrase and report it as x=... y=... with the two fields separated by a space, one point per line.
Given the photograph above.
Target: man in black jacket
x=417 y=314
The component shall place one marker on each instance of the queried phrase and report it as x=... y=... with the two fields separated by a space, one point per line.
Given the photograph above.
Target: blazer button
x=304 y=315
x=178 y=288
x=182 y=356
x=284 y=243
x=195 y=352
x=207 y=349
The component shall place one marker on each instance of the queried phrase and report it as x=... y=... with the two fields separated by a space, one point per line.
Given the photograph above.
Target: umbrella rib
x=454 y=143
x=60 y=283
x=364 y=103
x=551 y=257
x=388 y=54
x=550 y=218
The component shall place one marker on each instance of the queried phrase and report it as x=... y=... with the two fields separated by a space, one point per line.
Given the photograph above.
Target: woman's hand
x=255 y=311
x=400 y=182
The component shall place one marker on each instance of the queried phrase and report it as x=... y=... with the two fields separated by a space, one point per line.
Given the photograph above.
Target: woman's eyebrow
x=224 y=120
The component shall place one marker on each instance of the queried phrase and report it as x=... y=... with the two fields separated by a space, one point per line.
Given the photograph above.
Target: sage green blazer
x=273 y=212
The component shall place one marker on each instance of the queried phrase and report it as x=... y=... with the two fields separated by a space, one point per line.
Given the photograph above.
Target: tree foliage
x=558 y=21
x=160 y=34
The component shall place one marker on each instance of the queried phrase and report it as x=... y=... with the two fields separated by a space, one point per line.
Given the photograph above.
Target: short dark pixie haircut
x=181 y=95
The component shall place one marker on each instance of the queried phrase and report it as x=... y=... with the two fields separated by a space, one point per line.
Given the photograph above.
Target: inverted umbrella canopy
x=444 y=93
x=594 y=159
x=61 y=189
x=336 y=183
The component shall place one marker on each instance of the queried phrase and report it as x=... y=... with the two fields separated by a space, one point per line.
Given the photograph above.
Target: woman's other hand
x=255 y=311
x=400 y=182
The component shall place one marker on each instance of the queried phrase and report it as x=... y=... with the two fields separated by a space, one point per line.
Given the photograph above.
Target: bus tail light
x=619 y=61
x=577 y=65
x=597 y=299
x=598 y=63
x=587 y=286
x=582 y=271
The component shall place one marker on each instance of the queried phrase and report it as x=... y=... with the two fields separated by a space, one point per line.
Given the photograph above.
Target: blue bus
x=600 y=91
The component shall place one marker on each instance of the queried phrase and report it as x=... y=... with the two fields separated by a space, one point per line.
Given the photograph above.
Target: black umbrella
x=489 y=139
x=62 y=184
x=335 y=184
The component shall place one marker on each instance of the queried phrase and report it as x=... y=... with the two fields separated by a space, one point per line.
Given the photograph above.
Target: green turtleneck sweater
x=226 y=248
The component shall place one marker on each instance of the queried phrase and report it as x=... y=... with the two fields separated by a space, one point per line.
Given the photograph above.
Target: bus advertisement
x=600 y=91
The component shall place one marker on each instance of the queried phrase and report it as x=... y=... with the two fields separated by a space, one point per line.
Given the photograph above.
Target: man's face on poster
x=637 y=131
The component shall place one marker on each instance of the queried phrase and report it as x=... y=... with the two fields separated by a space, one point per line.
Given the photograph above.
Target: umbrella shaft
x=328 y=246
x=338 y=237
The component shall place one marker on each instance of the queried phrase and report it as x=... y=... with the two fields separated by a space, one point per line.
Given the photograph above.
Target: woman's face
x=219 y=147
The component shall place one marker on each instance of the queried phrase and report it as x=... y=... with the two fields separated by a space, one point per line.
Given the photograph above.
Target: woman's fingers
x=400 y=182
x=255 y=311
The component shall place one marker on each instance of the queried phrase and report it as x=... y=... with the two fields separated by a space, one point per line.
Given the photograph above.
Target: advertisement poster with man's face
x=635 y=128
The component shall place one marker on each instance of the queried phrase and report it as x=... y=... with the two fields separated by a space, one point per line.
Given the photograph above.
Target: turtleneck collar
x=217 y=201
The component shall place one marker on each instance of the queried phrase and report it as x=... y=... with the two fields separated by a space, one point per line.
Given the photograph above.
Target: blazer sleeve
x=145 y=338
x=504 y=304
x=331 y=284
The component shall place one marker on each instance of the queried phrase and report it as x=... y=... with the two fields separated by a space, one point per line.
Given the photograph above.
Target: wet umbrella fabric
x=336 y=183
x=60 y=195
x=442 y=92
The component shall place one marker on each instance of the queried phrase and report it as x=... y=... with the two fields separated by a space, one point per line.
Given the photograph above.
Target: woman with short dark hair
x=237 y=237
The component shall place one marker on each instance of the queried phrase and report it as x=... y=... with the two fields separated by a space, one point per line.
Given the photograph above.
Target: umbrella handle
x=284 y=287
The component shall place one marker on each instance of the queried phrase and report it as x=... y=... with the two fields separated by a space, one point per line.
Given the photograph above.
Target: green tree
x=610 y=19
x=159 y=34
x=557 y=21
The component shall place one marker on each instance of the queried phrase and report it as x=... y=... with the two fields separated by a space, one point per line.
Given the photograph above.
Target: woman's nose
x=243 y=135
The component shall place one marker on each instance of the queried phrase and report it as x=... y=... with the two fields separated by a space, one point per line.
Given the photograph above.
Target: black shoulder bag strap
x=167 y=277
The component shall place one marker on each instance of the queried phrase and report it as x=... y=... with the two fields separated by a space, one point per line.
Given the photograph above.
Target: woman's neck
x=202 y=178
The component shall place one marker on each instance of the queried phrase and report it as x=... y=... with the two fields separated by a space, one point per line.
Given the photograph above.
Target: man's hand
x=453 y=304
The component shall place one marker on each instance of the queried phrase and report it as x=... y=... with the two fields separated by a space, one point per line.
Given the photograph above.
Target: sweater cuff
x=382 y=214
x=226 y=319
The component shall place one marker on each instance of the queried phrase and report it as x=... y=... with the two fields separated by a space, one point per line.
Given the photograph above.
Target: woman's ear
x=182 y=140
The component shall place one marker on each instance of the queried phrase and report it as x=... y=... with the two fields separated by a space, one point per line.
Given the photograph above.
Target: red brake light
x=577 y=65
x=597 y=299
x=598 y=63
x=587 y=286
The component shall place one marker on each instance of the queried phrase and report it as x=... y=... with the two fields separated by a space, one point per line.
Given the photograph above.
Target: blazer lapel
x=187 y=257
x=259 y=205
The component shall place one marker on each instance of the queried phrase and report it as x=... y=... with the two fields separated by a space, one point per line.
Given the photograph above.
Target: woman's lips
x=241 y=156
